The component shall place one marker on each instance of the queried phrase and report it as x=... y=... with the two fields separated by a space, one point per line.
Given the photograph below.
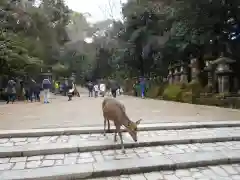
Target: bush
x=172 y=92
x=215 y=100
x=187 y=97
x=128 y=87
x=153 y=92
x=195 y=87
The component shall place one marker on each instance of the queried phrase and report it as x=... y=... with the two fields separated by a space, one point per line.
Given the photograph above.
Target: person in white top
x=102 y=89
x=96 y=89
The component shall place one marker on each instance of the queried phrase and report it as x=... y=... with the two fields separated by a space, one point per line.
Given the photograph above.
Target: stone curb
x=99 y=129
x=88 y=146
x=125 y=166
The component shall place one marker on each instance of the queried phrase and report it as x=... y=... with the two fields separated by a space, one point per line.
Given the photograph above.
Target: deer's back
x=113 y=110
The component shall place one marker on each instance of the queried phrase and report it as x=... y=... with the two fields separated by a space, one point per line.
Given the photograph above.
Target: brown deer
x=106 y=120
x=114 y=111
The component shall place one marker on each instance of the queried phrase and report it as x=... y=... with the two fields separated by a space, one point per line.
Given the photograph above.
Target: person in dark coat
x=11 y=91
x=70 y=91
x=90 y=89
x=32 y=86
x=37 y=90
x=114 y=87
x=46 y=86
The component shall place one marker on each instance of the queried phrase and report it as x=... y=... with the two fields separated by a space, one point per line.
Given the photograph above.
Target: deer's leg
x=108 y=125
x=104 y=130
x=120 y=135
x=115 y=133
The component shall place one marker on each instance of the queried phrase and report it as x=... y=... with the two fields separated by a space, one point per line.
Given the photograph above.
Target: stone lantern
x=170 y=75
x=194 y=69
x=223 y=72
x=177 y=73
x=183 y=71
x=208 y=68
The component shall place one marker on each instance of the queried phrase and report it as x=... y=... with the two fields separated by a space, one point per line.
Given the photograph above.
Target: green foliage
x=172 y=92
x=195 y=88
x=29 y=36
x=154 y=91
x=219 y=102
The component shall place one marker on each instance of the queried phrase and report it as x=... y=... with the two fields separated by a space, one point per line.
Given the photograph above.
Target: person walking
x=135 y=88
x=11 y=91
x=90 y=89
x=56 y=87
x=46 y=85
x=37 y=90
x=142 y=87
x=102 y=89
x=96 y=90
x=70 y=91
x=32 y=85
x=65 y=87
x=114 y=87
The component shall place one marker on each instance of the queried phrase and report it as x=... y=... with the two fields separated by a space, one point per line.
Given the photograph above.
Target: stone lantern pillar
x=177 y=73
x=194 y=69
x=170 y=75
x=208 y=68
x=183 y=71
x=223 y=72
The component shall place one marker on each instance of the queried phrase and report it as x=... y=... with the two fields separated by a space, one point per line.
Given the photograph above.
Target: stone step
x=125 y=166
x=44 y=145
x=220 y=172
x=99 y=129
x=65 y=159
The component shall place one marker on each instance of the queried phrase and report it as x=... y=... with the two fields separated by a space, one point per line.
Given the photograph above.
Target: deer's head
x=132 y=129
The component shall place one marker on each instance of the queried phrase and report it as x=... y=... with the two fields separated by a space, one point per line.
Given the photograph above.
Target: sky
x=99 y=9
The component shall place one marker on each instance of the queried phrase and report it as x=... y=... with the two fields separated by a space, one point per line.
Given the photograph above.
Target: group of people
x=66 y=88
x=139 y=87
x=101 y=89
x=15 y=89
x=30 y=90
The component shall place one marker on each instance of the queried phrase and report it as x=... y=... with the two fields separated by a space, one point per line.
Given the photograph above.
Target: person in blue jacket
x=46 y=85
x=142 y=87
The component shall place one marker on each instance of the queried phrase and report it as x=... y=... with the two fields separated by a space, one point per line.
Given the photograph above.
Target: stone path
x=85 y=111
x=222 y=172
x=211 y=153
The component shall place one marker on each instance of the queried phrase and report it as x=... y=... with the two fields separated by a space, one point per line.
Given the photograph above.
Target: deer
x=106 y=120
x=115 y=111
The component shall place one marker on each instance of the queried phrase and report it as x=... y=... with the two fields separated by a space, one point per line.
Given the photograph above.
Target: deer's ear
x=138 y=122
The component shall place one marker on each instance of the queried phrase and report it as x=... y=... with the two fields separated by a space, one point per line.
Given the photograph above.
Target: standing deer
x=107 y=120
x=114 y=111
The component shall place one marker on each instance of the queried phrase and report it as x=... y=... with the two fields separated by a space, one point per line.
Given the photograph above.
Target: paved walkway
x=222 y=172
x=87 y=111
x=214 y=152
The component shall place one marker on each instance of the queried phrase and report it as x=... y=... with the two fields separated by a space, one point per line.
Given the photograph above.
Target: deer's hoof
x=123 y=151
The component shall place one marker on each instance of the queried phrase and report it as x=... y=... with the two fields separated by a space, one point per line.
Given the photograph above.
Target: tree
x=31 y=36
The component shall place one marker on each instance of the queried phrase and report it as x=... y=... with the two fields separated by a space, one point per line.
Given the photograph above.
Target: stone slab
x=99 y=129
x=119 y=167
x=33 y=162
x=220 y=172
x=59 y=173
x=83 y=146
x=212 y=135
